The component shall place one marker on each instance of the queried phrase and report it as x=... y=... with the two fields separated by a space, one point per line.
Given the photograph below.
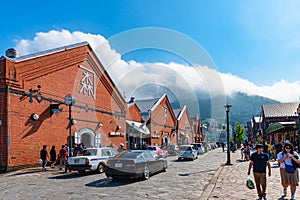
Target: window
x=105 y=152
x=98 y=139
x=165 y=113
x=77 y=138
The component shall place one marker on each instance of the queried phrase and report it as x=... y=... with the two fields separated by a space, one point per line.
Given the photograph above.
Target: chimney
x=11 y=53
x=132 y=100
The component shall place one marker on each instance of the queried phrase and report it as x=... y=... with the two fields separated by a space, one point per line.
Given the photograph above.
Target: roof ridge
x=49 y=51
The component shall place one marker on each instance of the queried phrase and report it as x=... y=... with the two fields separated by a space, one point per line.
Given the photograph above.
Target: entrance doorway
x=87 y=137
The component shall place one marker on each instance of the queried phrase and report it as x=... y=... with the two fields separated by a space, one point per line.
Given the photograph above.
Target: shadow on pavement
x=28 y=171
x=188 y=174
x=109 y=182
x=71 y=175
x=240 y=160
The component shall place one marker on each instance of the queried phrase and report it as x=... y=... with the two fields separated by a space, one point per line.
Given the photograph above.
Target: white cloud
x=179 y=78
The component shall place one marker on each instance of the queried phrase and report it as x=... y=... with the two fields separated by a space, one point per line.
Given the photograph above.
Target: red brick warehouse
x=33 y=112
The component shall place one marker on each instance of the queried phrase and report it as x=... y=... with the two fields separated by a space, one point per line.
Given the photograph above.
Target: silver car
x=187 y=152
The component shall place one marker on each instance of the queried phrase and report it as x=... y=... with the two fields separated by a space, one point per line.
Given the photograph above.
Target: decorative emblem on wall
x=88 y=82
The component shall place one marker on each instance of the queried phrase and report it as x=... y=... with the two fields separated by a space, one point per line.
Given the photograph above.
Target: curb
x=212 y=183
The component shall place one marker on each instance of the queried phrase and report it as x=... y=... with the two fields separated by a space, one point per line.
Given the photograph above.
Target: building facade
x=33 y=110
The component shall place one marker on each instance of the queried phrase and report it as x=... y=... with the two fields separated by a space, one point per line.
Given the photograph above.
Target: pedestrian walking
x=223 y=146
x=260 y=161
x=243 y=156
x=62 y=156
x=289 y=174
x=52 y=156
x=44 y=155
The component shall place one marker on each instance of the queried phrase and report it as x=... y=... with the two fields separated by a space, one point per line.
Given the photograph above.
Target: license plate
x=118 y=164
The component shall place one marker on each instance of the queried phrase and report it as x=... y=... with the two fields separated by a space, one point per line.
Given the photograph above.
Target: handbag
x=289 y=168
x=250 y=183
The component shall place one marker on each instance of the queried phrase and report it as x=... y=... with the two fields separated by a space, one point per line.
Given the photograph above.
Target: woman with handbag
x=288 y=173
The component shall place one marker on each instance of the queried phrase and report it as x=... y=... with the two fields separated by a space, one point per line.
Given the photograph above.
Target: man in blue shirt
x=260 y=161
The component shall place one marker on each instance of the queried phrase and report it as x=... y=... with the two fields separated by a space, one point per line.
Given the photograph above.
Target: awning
x=137 y=129
x=274 y=127
x=278 y=126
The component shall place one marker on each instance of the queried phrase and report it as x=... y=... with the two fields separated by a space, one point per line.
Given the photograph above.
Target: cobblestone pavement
x=229 y=183
x=183 y=180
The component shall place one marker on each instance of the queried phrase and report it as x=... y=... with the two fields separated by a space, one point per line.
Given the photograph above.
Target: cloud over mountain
x=132 y=76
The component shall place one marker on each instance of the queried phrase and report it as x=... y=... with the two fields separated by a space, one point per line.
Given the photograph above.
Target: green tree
x=239 y=133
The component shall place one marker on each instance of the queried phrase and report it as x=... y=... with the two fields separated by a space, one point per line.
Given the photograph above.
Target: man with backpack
x=62 y=156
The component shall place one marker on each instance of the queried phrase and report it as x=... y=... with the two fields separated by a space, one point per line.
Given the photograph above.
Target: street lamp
x=227 y=109
x=69 y=101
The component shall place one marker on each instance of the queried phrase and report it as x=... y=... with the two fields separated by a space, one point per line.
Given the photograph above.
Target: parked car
x=159 y=151
x=172 y=149
x=135 y=164
x=199 y=147
x=93 y=159
x=187 y=152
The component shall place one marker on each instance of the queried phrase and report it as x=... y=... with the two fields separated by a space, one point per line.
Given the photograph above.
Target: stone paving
x=229 y=182
x=183 y=180
x=206 y=178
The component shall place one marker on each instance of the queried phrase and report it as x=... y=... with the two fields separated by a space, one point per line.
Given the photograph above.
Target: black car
x=135 y=164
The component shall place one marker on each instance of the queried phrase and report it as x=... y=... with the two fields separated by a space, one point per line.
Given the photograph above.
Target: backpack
x=62 y=153
x=295 y=165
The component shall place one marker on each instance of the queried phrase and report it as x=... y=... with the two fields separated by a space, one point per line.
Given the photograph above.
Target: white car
x=93 y=159
x=187 y=152
x=199 y=148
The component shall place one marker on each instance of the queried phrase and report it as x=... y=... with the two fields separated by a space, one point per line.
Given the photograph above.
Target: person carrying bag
x=288 y=173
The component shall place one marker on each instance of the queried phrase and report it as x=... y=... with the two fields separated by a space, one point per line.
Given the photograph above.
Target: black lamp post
x=69 y=101
x=227 y=109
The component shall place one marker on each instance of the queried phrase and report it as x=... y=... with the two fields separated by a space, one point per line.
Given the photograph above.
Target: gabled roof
x=147 y=104
x=46 y=52
x=181 y=111
x=177 y=112
x=280 y=109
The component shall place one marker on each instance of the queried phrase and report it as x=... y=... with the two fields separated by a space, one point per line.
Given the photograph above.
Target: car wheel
x=100 y=168
x=146 y=173
x=81 y=171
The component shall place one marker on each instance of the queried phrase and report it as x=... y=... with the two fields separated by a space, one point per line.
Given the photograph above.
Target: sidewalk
x=229 y=182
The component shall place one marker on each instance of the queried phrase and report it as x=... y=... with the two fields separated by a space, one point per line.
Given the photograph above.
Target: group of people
x=288 y=160
x=61 y=156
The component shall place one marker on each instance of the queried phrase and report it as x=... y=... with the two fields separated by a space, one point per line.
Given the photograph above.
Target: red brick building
x=197 y=129
x=32 y=108
x=184 y=128
x=158 y=116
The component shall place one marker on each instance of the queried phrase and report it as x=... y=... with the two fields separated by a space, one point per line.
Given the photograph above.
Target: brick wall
x=57 y=75
x=163 y=123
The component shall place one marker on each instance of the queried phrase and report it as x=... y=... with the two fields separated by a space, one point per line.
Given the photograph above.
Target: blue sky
x=255 y=40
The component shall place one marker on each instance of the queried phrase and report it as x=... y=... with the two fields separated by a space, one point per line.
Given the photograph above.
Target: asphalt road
x=183 y=180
